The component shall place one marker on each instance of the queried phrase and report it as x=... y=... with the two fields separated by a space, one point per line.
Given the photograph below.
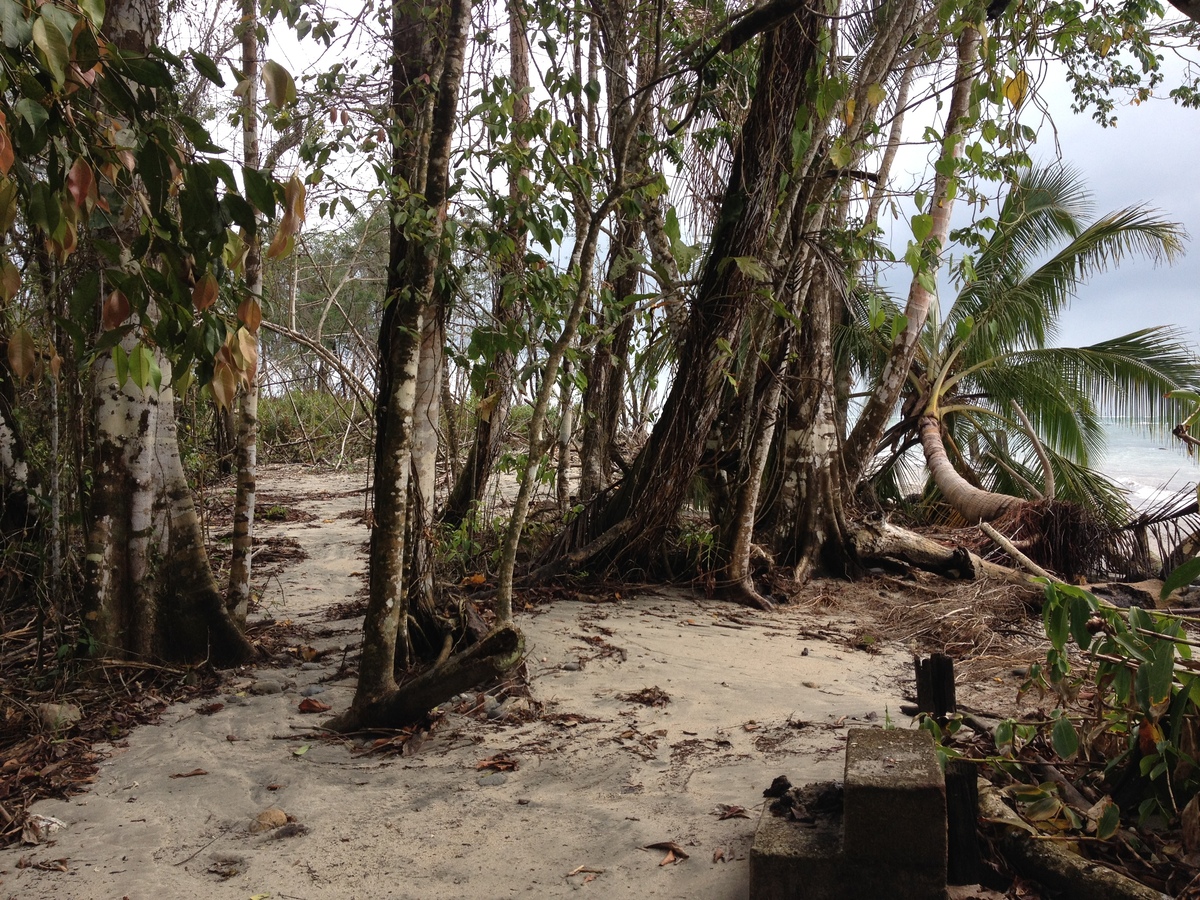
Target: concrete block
x=895 y=808
x=791 y=861
x=890 y=840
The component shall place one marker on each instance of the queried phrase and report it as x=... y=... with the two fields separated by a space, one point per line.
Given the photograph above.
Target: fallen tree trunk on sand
x=883 y=541
x=477 y=665
x=1052 y=865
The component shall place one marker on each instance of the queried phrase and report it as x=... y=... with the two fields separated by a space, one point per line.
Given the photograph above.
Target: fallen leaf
x=209 y=708
x=501 y=762
x=300 y=751
x=308 y=654
x=750 y=726
x=675 y=853
x=728 y=811
x=313 y=705
x=590 y=878
x=191 y=774
x=274 y=787
x=477 y=578
x=719 y=855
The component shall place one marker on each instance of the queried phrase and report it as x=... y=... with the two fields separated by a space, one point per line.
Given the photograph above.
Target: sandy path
x=751 y=696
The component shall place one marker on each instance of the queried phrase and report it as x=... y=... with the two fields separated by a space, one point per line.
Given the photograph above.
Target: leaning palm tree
x=1003 y=418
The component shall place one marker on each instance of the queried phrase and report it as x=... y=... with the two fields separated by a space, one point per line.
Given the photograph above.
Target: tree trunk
x=972 y=503
x=421 y=158
x=810 y=520
x=655 y=490
x=864 y=439
x=151 y=592
x=422 y=601
x=507 y=307
x=237 y=599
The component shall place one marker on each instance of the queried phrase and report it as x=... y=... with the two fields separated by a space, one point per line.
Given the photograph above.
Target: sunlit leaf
x=224 y=385
x=1016 y=88
x=281 y=245
x=53 y=49
x=250 y=314
x=10 y=280
x=876 y=94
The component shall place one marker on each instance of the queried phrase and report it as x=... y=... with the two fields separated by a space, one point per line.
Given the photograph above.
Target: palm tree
x=1000 y=416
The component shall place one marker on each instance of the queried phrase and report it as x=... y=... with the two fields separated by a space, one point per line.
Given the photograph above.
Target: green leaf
x=155 y=169
x=53 y=49
x=139 y=366
x=751 y=268
x=34 y=114
x=259 y=191
x=1081 y=614
x=121 y=361
x=15 y=29
x=1064 y=739
x=301 y=750
x=964 y=328
x=1181 y=577
x=94 y=10
x=922 y=226
x=206 y=67
x=1109 y=821
x=841 y=155
x=278 y=84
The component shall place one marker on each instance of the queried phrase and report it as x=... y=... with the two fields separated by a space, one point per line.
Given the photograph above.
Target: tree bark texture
x=864 y=439
x=237 y=598
x=655 y=490
x=972 y=503
x=151 y=593
x=421 y=158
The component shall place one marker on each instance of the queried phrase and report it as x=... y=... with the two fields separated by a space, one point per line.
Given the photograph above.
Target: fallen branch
x=1011 y=549
x=1050 y=863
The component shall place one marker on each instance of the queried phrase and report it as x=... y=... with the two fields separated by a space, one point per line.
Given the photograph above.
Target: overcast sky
x=1149 y=157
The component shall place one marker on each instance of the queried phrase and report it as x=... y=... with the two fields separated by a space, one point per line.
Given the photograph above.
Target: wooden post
x=962 y=816
x=935 y=686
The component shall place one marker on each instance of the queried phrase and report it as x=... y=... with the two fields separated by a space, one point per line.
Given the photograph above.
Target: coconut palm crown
x=999 y=414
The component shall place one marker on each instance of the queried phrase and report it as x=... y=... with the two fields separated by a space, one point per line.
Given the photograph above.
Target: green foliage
x=1144 y=692
x=314 y=427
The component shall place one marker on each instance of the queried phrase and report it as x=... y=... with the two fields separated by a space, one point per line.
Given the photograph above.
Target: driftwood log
x=1051 y=864
x=479 y=664
x=884 y=541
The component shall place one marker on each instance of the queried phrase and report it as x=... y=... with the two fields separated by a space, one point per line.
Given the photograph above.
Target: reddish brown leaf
x=668 y=859
x=191 y=774
x=22 y=356
x=7 y=155
x=250 y=314
x=80 y=182
x=116 y=310
x=674 y=851
x=204 y=294
x=313 y=705
x=209 y=708
x=501 y=762
x=719 y=855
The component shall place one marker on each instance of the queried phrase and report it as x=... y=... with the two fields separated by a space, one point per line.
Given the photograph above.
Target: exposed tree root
x=479 y=664
x=746 y=594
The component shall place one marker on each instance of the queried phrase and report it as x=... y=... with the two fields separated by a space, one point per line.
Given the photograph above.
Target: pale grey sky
x=1149 y=157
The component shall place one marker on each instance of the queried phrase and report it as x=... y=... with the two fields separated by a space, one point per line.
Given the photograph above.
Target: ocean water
x=1148 y=465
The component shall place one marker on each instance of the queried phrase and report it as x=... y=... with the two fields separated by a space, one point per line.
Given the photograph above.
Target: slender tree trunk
x=566 y=427
x=238 y=597
x=427 y=412
x=421 y=157
x=508 y=304
x=864 y=438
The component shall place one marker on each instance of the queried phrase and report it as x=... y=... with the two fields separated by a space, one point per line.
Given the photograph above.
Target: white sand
x=747 y=703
